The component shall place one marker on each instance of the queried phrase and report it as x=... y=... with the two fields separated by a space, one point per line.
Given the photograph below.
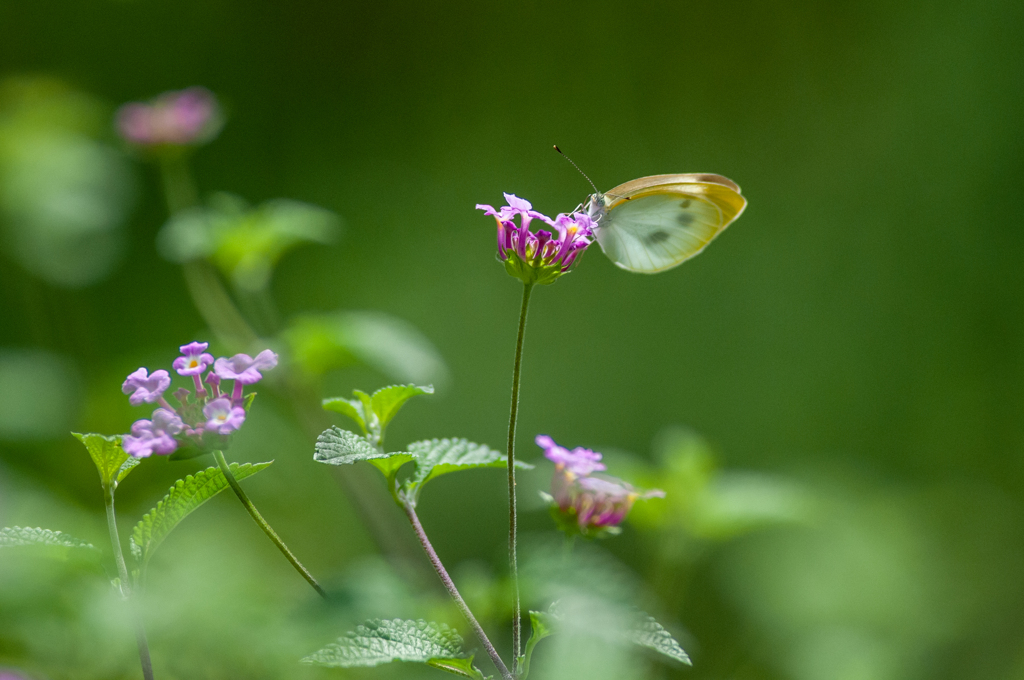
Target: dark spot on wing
x=685 y=204
x=656 y=237
x=684 y=219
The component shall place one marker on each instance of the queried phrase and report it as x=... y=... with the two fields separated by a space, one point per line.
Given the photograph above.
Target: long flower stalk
x=532 y=257
x=126 y=586
x=517 y=626
x=265 y=526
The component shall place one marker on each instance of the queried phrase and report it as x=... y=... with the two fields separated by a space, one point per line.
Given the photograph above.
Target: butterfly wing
x=655 y=223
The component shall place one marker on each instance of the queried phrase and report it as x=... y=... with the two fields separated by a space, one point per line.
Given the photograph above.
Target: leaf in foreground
x=184 y=497
x=340 y=447
x=387 y=401
x=647 y=632
x=110 y=459
x=353 y=408
x=435 y=457
x=542 y=625
x=16 y=537
x=379 y=641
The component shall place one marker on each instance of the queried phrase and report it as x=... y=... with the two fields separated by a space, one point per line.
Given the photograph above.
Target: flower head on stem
x=543 y=256
x=582 y=502
x=173 y=119
x=203 y=418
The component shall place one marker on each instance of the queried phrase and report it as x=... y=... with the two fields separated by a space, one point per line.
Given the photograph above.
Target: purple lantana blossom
x=203 y=418
x=154 y=436
x=146 y=388
x=578 y=462
x=222 y=417
x=543 y=256
x=181 y=118
x=584 y=503
x=244 y=368
x=194 y=359
x=605 y=501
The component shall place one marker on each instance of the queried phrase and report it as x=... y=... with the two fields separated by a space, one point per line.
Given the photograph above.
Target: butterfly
x=655 y=223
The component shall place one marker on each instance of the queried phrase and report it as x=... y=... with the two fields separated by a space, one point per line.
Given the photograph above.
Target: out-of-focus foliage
x=11 y=537
x=882 y=579
x=705 y=503
x=245 y=243
x=64 y=191
x=598 y=630
x=324 y=342
x=379 y=642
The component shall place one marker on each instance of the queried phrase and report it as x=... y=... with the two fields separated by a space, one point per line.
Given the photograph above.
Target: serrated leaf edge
x=141 y=549
x=69 y=541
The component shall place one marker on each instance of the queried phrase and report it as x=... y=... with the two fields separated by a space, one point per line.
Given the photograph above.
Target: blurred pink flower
x=180 y=118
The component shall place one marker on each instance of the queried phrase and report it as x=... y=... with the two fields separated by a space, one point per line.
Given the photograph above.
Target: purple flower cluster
x=538 y=257
x=597 y=503
x=180 y=118
x=208 y=413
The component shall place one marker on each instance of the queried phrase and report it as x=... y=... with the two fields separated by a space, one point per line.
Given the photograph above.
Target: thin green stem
x=179 y=189
x=262 y=523
x=410 y=511
x=126 y=588
x=517 y=624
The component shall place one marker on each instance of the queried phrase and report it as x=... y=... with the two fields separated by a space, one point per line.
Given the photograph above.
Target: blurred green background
x=848 y=503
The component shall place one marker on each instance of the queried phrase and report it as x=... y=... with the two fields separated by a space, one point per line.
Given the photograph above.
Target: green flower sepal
x=528 y=273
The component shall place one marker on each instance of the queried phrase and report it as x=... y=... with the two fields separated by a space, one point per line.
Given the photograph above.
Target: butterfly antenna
x=577 y=169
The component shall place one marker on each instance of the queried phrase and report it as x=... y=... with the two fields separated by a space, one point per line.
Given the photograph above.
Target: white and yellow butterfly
x=655 y=223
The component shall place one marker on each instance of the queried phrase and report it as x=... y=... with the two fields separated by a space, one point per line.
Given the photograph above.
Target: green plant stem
x=262 y=523
x=179 y=189
x=410 y=511
x=126 y=589
x=517 y=624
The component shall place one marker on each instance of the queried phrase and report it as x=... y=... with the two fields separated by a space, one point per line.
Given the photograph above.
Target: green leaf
x=336 y=446
x=435 y=457
x=16 y=537
x=647 y=632
x=185 y=496
x=378 y=642
x=390 y=465
x=388 y=400
x=372 y=421
x=340 y=447
x=126 y=467
x=542 y=625
x=463 y=667
x=352 y=408
x=109 y=457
